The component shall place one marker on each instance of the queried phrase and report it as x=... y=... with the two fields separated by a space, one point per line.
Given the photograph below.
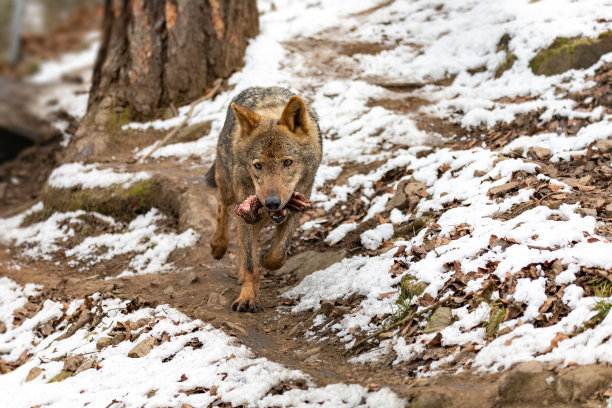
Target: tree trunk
x=156 y=52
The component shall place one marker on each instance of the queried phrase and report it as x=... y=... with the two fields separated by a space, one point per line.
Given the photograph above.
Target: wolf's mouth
x=279 y=216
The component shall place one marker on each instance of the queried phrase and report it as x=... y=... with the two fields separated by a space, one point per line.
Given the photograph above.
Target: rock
x=103 y=343
x=440 y=319
x=2 y=327
x=216 y=299
x=399 y=201
x=430 y=399
x=479 y=173
x=579 y=383
x=33 y=373
x=570 y=53
x=415 y=188
x=557 y=267
x=71 y=363
x=118 y=285
x=143 y=348
x=169 y=290
x=87 y=364
x=413 y=289
x=142 y=322
x=117 y=338
x=607 y=211
x=604 y=145
x=234 y=329
x=194 y=132
x=540 y=153
x=327 y=306
x=191 y=277
x=307 y=262
x=587 y=212
x=526 y=383
x=61 y=376
x=503 y=189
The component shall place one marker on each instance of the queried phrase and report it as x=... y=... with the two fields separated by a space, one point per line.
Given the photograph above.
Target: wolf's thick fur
x=270 y=146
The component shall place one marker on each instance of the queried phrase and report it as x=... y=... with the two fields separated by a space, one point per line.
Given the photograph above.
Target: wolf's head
x=276 y=154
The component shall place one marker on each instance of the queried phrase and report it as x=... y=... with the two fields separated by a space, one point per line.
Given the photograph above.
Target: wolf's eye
x=287 y=162
x=257 y=165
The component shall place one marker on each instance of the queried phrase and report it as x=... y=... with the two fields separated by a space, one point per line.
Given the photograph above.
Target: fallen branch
x=397 y=324
x=83 y=320
x=173 y=132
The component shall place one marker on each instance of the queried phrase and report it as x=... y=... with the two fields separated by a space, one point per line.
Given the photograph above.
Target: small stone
x=118 y=285
x=557 y=267
x=216 y=299
x=439 y=320
x=62 y=376
x=479 y=173
x=142 y=322
x=399 y=201
x=327 y=306
x=503 y=189
x=143 y=348
x=412 y=288
x=540 y=153
x=117 y=338
x=87 y=364
x=33 y=373
x=234 y=329
x=414 y=188
x=191 y=277
x=604 y=145
x=169 y=291
x=587 y=212
x=103 y=343
x=607 y=211
x=71 y=363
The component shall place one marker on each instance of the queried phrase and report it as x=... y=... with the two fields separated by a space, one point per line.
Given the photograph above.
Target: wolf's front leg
x=277 y=255
x=248 y=301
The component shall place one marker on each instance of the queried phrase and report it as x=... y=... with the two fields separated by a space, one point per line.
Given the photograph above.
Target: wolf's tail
x=210 y=176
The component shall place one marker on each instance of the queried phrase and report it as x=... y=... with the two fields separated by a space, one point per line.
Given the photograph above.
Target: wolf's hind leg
x=277 y=255
x=220 y=238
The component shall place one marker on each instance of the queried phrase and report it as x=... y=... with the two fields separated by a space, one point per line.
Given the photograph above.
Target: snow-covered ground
x=450 y=50
x=189 y=362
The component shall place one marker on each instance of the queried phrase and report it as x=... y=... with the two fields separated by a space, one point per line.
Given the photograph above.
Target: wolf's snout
x=273 y=203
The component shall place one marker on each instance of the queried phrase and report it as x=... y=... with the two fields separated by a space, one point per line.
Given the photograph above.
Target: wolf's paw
x=218 y=248
x=252 y=305
x=273 y=260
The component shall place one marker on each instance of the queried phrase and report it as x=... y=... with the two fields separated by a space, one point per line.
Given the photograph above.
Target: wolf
x=270 y=147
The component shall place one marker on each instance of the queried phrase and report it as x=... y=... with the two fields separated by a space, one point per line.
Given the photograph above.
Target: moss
x=571 y=53
x=123 y=204
x=117 y=119
x=495 y=319
x=62 y=376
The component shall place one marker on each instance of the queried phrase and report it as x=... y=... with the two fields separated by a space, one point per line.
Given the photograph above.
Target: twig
x=173 y=132
x=397 y=324
x=83 y=320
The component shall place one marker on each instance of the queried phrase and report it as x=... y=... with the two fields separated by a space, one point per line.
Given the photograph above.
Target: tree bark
x=157 y=52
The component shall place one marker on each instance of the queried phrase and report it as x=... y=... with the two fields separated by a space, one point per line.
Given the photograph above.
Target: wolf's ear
x=247 y=119
x=295 y=115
